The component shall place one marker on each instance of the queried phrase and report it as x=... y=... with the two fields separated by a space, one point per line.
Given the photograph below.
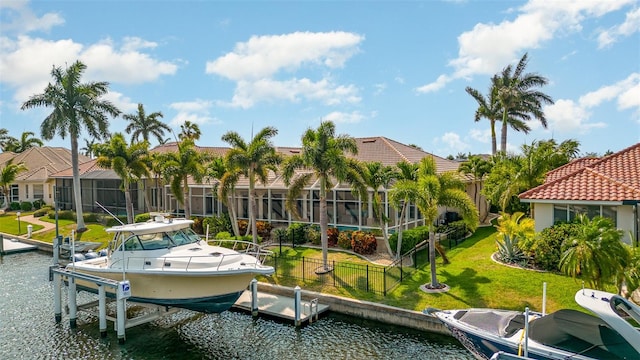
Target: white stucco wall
x=626 y=219
x=543 y=216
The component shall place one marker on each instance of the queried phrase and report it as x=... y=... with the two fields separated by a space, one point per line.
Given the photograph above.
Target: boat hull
x=204 y=293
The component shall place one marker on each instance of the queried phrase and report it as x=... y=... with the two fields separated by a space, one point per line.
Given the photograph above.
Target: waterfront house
x=607 y=186
x=344 y=210
x=37 y=182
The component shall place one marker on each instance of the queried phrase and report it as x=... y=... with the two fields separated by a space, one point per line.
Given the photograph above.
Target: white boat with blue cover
x=564 y=334
x=168 y=264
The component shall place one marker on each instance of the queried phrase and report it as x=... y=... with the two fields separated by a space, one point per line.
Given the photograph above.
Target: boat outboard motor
x=78 y=257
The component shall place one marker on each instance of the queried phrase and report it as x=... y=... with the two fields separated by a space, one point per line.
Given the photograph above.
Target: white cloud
x=259 y=65
x=18 y=18
x=538 y=21
x=344 y=118
x=454 y=144
x=483 y=136
x=197 y=111
x=122 y=102
x=26 y=62
x=569 y=116
x=628 y=27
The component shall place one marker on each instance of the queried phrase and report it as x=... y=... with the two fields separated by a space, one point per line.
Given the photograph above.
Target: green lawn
x=474 y=280
x=9 y=224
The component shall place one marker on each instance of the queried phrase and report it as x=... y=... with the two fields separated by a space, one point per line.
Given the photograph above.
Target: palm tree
x=8 y=174
x=178 y=166
x=325 y=154
x=75 y=105
x=189 y=130
x=128 y=161
x=403 y=192
x=597 y=253
x=89 y=148
x=436 y=190
x=145 y=126
x=254 y=160
x=377 y=176
x=25 y=142
x=488 y=108
x=518 y=98
x=228 y=178
x=477 y=167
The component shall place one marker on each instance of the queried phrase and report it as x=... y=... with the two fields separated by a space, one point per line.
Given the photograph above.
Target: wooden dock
x=11 y=246
x=282 y=307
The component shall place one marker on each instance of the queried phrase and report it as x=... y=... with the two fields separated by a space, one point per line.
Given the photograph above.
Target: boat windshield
x=161 y=240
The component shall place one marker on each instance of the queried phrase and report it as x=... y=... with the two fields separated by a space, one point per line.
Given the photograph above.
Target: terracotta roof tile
x=612 y=178
x=42 y=162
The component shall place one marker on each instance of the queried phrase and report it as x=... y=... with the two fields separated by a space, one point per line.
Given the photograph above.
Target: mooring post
x=73 y=305
x=57 y=297
x=296 y=305
x=254 y=297
x=123 y=292
x=1 y=244
x=526 y=332
x=56 y=250
x=102 y=310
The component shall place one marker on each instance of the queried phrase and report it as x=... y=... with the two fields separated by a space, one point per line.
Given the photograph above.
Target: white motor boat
x=167 y=263
x=565 y=334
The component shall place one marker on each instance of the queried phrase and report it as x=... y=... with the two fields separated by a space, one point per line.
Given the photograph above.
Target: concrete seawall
x=347 y=306
x=365 y=309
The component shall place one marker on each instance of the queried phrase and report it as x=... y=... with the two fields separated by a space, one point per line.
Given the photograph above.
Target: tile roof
x=42 y=162
x=612 y=178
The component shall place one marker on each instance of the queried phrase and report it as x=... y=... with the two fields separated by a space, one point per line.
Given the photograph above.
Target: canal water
x=28 y=330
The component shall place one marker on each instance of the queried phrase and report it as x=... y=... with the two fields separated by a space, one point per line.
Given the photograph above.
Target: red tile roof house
x=608 y=186
x=344 y=210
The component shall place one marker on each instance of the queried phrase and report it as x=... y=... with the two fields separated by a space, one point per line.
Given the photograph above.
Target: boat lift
x=122 y=290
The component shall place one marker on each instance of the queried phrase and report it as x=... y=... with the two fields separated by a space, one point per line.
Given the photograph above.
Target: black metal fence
x=370 y=278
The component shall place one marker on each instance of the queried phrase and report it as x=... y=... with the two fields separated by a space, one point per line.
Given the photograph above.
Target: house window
x=38 y=191
x=559 y=213
x=26 y=191
x=611 y=212
x=14 y=193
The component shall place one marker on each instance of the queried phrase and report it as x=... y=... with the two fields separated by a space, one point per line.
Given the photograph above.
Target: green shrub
x=224 y=235
x=14 y=206
x=344 y=239
x=38 y=204
x=42 y=211
x=296 y=232
x=546 y=248
x=410 y=238
x=264 y=229
x=363 y=242
x=144 y=217
x=113 y=222
x=62 y=214
x=26 y=206
x=217 y=224
x=90 y=217
x=313 y=235
x=279 y=234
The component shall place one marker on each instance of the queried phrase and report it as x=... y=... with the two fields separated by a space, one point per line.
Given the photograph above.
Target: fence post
x=384 y=280
x=367 y=277
x=303 y=269
x=415 y=258
x=333 y=266
x=401 y=272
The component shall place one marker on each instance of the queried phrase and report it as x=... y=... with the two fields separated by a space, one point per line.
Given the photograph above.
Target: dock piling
x=102 y=310
x=57 y=297
x=73 y=305
x=254 y=297
x=296 y=305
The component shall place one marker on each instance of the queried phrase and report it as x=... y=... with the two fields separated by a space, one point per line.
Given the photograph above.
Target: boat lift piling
x=122 y=289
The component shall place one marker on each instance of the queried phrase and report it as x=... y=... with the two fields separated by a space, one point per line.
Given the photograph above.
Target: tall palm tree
x=145 y=126
x=489 y=108
x=325 y=154
x=8 y=174
x=4 y=136
x=436 y=190
x=377 y=177
x=189 y=130
x=228 y=177
x=476 y=167
x=403 y=192
x=254 y=160
x=597 y=253
x=178 y=166
x=75 y=106
x=519 y=99
x=26 y=141
x=128 y=161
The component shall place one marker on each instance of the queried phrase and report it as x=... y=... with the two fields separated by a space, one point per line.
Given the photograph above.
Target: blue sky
x=375 y=68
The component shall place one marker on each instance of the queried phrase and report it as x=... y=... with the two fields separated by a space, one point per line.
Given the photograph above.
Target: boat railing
x=225 y=262
x=243 y=247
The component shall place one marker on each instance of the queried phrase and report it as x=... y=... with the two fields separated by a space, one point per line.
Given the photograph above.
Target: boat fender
x=102 y=252
x=91 y=255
